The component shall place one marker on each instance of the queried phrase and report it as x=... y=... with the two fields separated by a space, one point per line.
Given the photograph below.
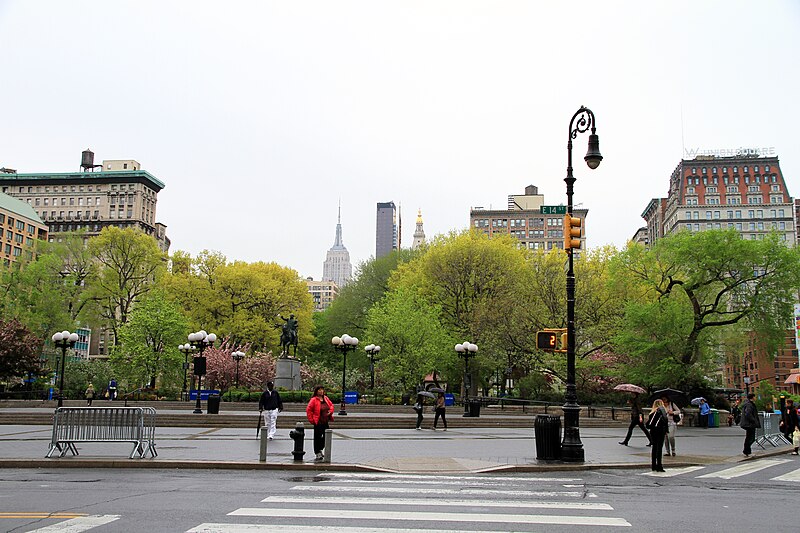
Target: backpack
x=657 y=421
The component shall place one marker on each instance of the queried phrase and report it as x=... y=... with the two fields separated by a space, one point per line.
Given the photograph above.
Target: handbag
x=676 y=418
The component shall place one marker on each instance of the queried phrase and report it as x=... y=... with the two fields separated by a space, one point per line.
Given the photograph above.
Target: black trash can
x=213 y=404
x=547 y=431
x=475 y=408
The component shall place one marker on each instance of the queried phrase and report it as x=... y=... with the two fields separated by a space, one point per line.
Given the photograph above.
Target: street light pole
x=571 y=446
x=200 y=340
x=237 y=356
x=509 y=373
x=372 y=351
x=343 y=344
x=186 y=349
x=466 y=350
x=63 y=339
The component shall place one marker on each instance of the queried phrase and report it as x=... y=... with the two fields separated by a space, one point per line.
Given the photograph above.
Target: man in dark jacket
x=789 y=420
x=636 y=420
x=749 y=423
x=270 y=405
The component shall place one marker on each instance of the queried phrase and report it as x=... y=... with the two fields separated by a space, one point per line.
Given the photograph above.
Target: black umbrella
x=674 y=395
x=436 y=389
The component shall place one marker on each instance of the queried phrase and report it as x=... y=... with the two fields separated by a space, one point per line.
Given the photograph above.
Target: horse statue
x=289 y=336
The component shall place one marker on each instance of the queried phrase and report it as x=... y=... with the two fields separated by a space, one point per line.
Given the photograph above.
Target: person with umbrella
x=704 y=410
x=637 y=419
x=420 y=406
x=674 y=417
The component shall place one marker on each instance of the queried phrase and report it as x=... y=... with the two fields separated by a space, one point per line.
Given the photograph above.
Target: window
x=694 y=171
x=724 y=170
x=689 y=190
x=754 y=200
x=744 y=169
x=713 y=170
x=711 y=190
x=766 y=168
x=708 y=215
x=730 y=214
x=705 y=170
x=20 y=225
x=31 y=229
x=781 y=213
x=735 y=170
x=738 y=226
x=37 y=201
x=755 y=168
x=19 y=237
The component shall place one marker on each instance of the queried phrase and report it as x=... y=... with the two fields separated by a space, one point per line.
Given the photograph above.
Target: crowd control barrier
x=769 y=431
x=136 y=425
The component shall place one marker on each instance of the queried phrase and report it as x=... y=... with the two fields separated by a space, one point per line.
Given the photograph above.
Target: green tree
x=692 y=289
x=129 y=262
x=148 y=342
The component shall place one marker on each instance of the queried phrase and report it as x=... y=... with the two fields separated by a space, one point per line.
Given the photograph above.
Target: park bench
x=135 y=425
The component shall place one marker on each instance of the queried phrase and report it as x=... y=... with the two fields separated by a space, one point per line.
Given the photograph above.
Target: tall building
x=386 y=229
x=119 y=194
x=535 y=225
x=745 y=192
x=20 y=230
x=419 y=233
x=337 y=267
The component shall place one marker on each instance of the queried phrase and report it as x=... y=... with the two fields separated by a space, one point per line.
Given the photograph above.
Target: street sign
x=553 y=210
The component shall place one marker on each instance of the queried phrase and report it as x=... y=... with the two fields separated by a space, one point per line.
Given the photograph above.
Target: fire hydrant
x=298 y=434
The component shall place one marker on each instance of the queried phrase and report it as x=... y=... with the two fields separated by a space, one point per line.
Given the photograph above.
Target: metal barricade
x=769 y=431
x=103 y=424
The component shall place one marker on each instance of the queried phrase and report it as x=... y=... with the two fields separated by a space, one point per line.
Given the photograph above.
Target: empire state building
x=337 y=267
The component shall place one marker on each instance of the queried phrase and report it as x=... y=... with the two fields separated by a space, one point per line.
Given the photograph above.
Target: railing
x=769 y=431
x=135 y=425
x=591 y=411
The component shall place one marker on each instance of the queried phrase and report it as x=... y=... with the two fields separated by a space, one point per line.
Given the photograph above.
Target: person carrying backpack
x=658 y=425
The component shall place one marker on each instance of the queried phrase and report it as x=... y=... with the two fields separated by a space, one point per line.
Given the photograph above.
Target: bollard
x=298 y=435
x=262 y=452
x=328 y=440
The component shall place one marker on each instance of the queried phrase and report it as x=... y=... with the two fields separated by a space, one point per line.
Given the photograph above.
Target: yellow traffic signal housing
x=548 y=340
x=572 y=232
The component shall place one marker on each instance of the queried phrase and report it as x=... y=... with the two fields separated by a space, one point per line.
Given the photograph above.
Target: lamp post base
x=342 y=411
x=571 y=446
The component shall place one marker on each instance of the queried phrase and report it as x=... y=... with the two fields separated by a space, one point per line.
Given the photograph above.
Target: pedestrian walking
x=637 y=419
x=439 y=412
x=657 y=424
x=270 y=405
x=112 y=389
x=749 y=423
x=704 y=410
x=419 y=407
x=674 y=418
x=319 y=413
x=796 y=440
x=789 y=419
x=89 y=394
x=736 y=411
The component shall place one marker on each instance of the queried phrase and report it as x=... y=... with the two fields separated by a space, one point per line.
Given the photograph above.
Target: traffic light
x=572 y=232
x=546 y=340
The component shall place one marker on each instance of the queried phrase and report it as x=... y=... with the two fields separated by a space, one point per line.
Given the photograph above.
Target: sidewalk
x=393 y=450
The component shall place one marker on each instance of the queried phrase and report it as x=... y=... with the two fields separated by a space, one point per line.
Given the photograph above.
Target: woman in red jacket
x=319 y=412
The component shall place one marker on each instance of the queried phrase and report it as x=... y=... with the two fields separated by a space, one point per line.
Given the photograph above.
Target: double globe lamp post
x=186 y=349
x=344 y=344
x=571 y=446
x=372 y=352
x=63 y=340
x=466 y=350
x=200 y=341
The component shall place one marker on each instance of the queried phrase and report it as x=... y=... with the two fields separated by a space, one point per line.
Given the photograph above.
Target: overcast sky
x=259 y=116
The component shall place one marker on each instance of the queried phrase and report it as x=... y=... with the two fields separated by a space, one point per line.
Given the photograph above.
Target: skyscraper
x=385 y=229
x=419 y=233
x=337 y=267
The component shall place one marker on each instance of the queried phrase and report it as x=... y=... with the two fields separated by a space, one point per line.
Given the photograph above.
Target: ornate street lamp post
x=237 y=356
x=571 y=446
x=509 y=384
x=186 y=349
x=466 y=350
x=200 y=340
x=343 y=344
x=63 y=340
x=372 y=352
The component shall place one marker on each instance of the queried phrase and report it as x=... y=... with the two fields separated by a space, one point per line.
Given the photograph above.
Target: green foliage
x=147 y=344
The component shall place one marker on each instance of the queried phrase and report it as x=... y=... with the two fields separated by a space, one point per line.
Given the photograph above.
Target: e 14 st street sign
x=553 y=210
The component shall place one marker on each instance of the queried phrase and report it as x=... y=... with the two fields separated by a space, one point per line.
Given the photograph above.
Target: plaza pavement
x=391 y=450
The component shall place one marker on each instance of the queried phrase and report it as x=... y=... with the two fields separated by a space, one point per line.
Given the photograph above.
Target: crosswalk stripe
x=280 y=528
x=78 y=525
x=794 y=475
x=439 y=502
x=345 y=514
x=504 y=479
x=744 y=469
x=673 y=471
x=426 y=482
x=443 y=492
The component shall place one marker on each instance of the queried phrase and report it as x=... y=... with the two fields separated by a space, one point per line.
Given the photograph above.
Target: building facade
x=747 y=193
x=419 y=233
x=120 y=194
x=527 y=219
x=322 y=292
x=386 y=229
x=337 y=266
x=20 y=230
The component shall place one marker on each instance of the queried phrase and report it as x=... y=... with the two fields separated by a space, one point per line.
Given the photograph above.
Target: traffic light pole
x=571 y=446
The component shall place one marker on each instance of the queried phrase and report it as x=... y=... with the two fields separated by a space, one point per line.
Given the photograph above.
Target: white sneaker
x=319 y=457
x=420 y=429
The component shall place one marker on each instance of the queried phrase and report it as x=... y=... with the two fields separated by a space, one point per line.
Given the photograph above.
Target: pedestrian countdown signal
x=548 y=340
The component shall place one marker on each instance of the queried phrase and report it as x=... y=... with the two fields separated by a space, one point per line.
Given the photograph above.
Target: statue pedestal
x=287 y=374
